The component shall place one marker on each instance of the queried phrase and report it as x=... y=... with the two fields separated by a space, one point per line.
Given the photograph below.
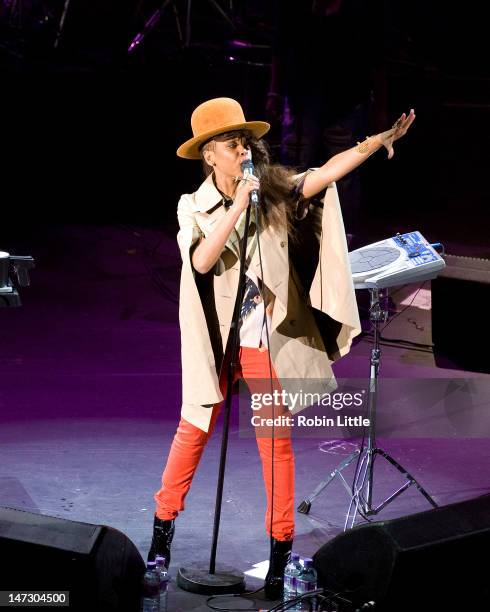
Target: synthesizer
x=405 y=258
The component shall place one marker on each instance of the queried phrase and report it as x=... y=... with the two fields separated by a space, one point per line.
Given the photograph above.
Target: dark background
x=89 y=132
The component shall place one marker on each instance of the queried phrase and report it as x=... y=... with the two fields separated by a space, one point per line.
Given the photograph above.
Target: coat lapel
x=207 y=196
x=209 y=202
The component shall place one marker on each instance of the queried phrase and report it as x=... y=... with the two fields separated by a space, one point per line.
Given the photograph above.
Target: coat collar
x=207 y=196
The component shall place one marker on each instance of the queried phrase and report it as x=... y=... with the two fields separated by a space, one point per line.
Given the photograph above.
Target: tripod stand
x=361 y=491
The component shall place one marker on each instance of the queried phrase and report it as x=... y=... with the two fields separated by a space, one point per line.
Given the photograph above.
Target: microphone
x=248 y=169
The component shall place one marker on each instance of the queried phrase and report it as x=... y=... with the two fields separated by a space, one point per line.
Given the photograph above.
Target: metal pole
x=62 y=23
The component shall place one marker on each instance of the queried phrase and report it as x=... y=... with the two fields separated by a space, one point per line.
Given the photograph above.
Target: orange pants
x=189 y=442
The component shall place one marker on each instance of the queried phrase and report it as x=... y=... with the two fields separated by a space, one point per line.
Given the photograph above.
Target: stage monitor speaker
x=99 y=566
x=434 y=560
x=460 y=297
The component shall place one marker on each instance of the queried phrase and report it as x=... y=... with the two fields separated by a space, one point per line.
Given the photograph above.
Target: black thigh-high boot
x=280 y=555
x=163 y=533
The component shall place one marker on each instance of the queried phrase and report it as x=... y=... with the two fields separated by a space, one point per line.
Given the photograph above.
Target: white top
x=252 y=321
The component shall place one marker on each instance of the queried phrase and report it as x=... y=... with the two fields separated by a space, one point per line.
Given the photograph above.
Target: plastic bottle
x=307 y=581
x=292 y=570
x=151 y=589
x=164 y=579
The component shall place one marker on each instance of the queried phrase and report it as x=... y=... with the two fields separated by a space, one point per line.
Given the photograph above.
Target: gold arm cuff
x=363 y=147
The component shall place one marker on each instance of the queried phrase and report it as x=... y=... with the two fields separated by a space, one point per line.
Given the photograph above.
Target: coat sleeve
x=200 y=386
x=321 y=258
x=332 y=290
x=189 y=232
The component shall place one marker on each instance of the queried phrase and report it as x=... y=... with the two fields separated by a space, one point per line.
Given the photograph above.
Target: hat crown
x=216 y=114
x=214 y=117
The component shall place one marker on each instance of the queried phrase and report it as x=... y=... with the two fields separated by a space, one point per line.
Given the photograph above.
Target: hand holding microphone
x=248 y=188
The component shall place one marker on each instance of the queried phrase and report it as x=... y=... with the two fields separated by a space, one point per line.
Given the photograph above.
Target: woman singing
x=299 y=312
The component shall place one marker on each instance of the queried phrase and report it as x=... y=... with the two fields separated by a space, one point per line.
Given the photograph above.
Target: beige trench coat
x=308 y=332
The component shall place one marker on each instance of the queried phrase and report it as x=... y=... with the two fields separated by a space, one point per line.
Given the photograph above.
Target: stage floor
x=90 y=398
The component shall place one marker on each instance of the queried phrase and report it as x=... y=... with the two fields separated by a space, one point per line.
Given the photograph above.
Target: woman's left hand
x=398 y=130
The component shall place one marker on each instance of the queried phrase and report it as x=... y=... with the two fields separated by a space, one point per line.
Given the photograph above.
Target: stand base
x=197 y=580
x=364 y=502
x=409 y=481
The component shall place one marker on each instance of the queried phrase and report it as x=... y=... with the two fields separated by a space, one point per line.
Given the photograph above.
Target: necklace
x=227 y=200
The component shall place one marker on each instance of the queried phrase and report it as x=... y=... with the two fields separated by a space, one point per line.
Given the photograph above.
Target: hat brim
x=190 y=148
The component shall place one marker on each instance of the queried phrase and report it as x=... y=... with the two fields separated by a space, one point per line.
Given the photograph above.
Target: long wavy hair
x=276 y=185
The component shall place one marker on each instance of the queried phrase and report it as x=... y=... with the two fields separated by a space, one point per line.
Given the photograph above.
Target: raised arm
x=343 y=163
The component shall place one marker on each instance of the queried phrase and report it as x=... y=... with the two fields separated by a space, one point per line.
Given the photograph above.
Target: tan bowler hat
x=215 y=117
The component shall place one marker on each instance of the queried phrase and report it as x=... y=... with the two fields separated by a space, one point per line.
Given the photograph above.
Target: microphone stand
x=226 y=580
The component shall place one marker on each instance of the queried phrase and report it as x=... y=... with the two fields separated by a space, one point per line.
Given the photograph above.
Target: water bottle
x=151 y=589
x=291 y=572
x=307 y=581
x=164 y=579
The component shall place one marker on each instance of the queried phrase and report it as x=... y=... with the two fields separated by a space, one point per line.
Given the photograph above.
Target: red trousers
x=189 y=442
